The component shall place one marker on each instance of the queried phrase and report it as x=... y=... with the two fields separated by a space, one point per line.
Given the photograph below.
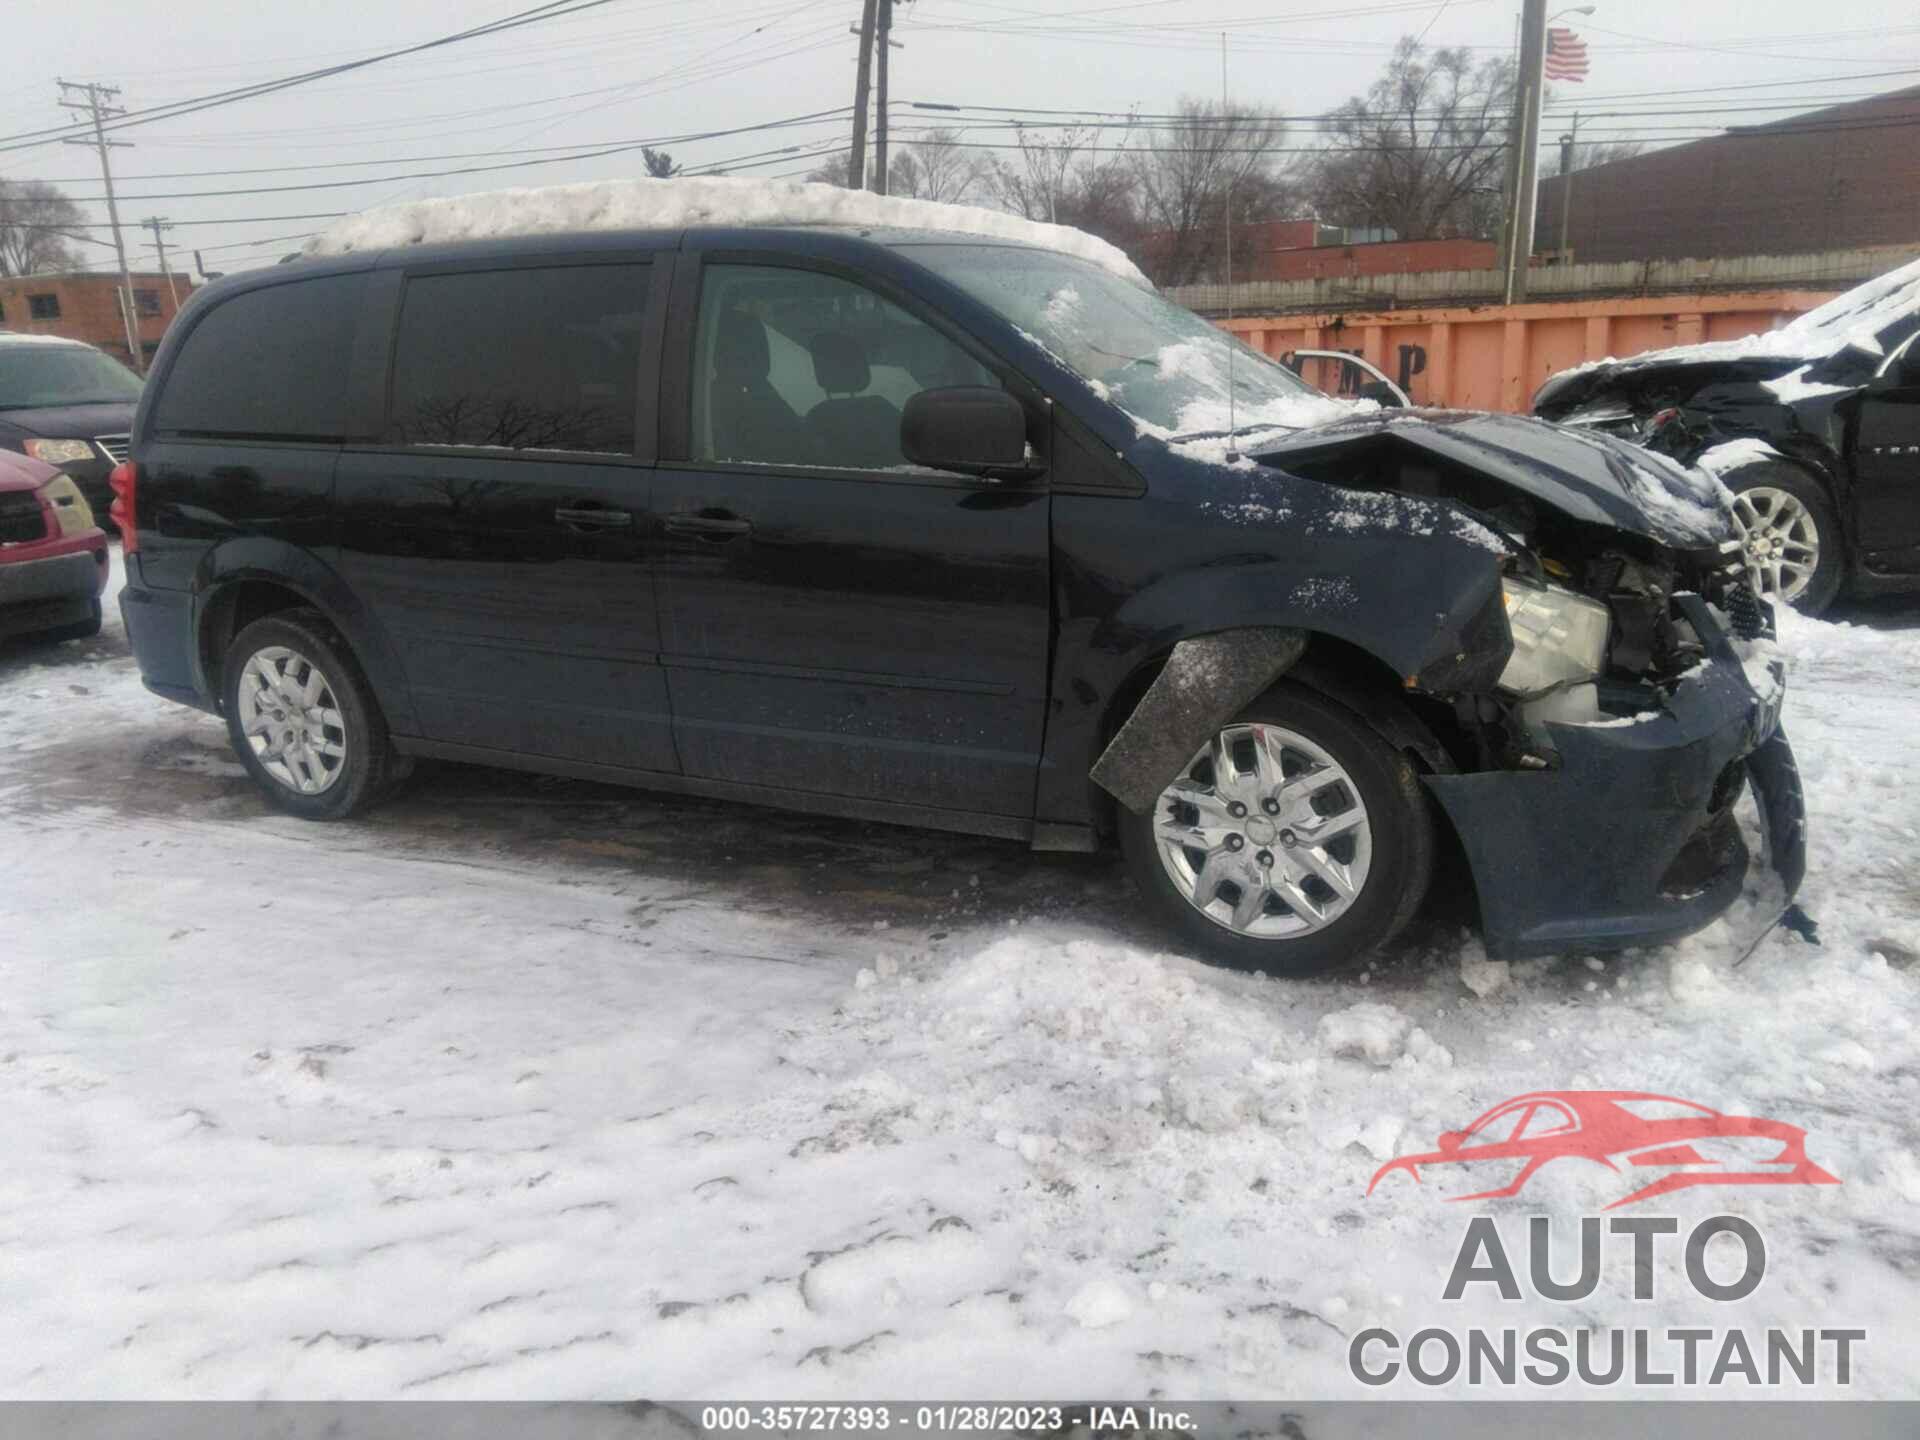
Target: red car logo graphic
x=1692 y=1144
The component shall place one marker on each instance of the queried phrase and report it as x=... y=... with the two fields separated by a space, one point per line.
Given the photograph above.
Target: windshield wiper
x=1238 y=430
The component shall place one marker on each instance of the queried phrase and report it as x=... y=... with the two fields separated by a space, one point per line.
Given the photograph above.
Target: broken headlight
x=1558 y=637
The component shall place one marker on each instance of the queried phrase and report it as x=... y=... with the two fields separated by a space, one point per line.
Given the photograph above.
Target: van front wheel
x=1295 y=842
x=303 y=719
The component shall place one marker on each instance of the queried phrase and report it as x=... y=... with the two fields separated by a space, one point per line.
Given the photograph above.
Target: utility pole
x=99 y=109
x=1568 y=142
x=883 y=42
x=1523 y=143
x=857 y=160
x=158 y=223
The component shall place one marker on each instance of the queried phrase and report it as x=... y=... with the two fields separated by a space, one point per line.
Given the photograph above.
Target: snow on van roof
x=677 y=204
x=23 y=337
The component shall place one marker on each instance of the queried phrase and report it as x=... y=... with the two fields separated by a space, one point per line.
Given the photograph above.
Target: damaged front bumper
x=1630 y=838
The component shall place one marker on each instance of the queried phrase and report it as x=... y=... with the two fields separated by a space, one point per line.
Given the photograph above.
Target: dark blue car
x=934 y=529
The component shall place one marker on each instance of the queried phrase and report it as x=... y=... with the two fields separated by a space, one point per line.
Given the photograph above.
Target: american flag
x=1566 y=55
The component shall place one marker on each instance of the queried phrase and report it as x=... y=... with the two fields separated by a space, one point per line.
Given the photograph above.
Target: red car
x=1690 y=1143
x=53 y=557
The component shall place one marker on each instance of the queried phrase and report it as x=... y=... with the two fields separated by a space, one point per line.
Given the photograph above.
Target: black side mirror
x=968 y=429
x=1892 y=379
x=1380 y=392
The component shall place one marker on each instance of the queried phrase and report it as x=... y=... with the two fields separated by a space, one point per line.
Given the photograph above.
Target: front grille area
x=21 y=518
x=114 y=445
x=1747 y=615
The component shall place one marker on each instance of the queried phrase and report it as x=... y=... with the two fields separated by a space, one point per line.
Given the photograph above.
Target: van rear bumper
x=160 y=629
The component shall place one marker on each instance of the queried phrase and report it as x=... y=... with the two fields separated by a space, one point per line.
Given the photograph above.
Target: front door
x=1886 y=469
x=834 y=620
x=502 y=532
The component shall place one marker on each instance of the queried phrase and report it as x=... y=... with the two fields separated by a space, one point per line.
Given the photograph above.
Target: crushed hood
x=1587 y=477
x=1863 y=322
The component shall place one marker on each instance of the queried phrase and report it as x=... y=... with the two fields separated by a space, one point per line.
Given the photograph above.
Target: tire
x=342 y=760
x=1779 y=510
x=1386 y=856
x=78 y=630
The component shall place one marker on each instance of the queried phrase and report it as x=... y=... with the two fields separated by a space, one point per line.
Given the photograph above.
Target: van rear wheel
x=303 y=719
x=1295 y=842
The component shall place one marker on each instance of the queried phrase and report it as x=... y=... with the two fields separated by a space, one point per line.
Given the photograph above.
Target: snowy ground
x=531 y=1088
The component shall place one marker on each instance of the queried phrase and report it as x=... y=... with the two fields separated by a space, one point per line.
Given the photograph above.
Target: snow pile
x=678 y=204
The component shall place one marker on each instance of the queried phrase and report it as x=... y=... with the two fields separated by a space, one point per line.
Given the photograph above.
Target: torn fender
x=1208 y=679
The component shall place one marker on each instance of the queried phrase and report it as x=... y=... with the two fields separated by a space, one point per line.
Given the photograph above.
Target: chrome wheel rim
x=1779 y=540
x=1265 y=833
x=292 y=721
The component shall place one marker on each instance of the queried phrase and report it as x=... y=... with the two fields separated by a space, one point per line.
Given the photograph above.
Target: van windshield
x=1164 y=366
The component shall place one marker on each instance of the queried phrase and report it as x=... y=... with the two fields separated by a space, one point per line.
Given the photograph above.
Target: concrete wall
x=1821 y=270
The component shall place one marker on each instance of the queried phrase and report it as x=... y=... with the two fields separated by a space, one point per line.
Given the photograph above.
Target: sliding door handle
x=580 y=518
x=708 y=527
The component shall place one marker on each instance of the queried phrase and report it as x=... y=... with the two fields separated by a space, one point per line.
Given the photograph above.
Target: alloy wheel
x=292 y=721
x=1265 y=833
x=1779 y=539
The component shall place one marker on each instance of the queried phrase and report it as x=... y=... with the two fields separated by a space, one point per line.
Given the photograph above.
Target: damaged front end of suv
x=1639 y=697
x=1589 y=734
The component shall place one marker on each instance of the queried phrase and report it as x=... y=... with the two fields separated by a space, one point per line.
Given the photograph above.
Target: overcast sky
x=634 y=70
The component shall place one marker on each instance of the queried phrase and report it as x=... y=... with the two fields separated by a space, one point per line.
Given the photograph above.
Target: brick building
x=87 y=307
x=1845 y=177
x=1308 y=250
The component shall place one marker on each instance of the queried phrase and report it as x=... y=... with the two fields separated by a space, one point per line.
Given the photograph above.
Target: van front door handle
x=592 y=519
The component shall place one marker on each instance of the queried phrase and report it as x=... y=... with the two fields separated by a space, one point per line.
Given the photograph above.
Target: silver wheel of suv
x=1780 y=540
x=292 y=721
x=1265 y=834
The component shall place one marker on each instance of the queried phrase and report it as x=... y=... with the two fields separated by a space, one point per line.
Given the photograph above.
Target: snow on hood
x=677 y=204
x=1853 y=320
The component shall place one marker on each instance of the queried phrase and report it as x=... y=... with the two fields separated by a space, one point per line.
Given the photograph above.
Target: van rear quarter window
x=523 y=359
x=269 y=364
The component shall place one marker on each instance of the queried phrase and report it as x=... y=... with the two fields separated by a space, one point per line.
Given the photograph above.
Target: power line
x=1083 y=120
x=612 y=148
x=552 y=9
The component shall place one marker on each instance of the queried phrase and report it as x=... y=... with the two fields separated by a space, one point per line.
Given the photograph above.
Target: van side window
x=523 y=359
x=793 y=367
x=268 y=364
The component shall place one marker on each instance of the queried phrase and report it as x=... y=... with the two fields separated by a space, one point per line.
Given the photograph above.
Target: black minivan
x=936 y=529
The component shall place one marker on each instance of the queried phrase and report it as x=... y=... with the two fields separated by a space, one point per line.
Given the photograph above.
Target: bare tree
x=1188 y=173
x=659 y=163
x=936 y=166
x=38 y=225
x=1422 y=152
x=1069 y=176
x=837 y=171
x=1587 y=154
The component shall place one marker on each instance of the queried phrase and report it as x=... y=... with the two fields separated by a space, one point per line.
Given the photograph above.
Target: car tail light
x=124 y=482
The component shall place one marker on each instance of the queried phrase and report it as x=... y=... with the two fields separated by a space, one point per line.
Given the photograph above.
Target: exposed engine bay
x=1600 y=631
